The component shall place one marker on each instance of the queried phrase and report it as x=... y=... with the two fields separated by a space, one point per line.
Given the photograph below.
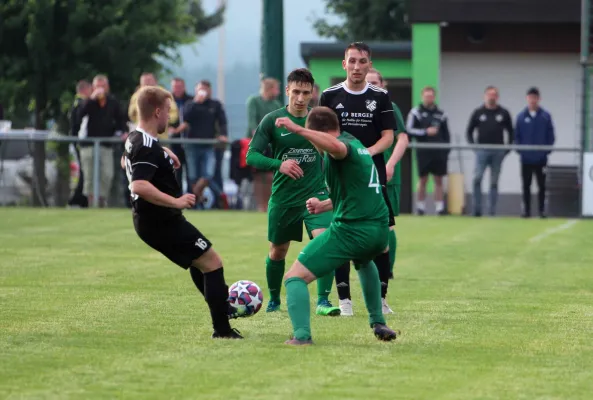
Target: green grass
x=87 y=311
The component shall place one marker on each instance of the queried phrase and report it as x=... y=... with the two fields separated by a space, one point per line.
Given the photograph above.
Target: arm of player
x=316 y=206
x=382 y=144
x=322 y=141
x=388 y=126
x=176 y=162
x=398 y=153
x=150 y=193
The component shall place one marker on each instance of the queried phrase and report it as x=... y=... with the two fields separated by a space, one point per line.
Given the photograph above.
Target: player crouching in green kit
x=298 y=176
x=359 y=227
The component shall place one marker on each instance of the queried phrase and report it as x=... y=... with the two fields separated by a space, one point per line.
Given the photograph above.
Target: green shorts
x=344 y=242
x=393 y=192
x=285 y=224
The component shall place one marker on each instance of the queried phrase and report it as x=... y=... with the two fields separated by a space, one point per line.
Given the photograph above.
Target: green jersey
x=401 y=127
x=354 y=186
x=287 y=146
x=257 y=108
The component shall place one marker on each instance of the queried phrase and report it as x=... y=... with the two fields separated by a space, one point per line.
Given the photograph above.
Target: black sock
x=216 y=294
x=382 y=263
x=343 y=281
x=198 y=277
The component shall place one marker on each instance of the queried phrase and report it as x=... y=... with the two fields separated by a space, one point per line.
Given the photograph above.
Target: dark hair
x=322 y=119
x=534 y=91
x=82 y=84
x=491 y=88
x=178 y=79
x=205 y=83
x=300 y=75
x=360 y=46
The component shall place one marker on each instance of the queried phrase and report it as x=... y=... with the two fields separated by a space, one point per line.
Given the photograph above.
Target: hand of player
x=186 y=201
x=432 y=130
x=287 y=124
x=313 y=205
x=176 y=162
x=291 y=168
x=390 y=168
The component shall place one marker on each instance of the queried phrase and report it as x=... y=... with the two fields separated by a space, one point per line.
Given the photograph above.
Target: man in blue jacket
x=534 y=127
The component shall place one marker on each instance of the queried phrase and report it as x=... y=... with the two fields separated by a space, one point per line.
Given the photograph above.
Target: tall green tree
x=46 y=46
x=365 y=20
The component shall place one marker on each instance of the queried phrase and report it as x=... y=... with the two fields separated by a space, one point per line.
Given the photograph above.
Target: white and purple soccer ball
x=246 y=297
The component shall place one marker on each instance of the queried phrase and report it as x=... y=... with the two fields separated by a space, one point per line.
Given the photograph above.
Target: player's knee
x=278 y=251
x=298 y=270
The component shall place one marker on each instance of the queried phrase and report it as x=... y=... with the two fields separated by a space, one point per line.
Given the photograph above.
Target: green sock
x=274 y=275
x=392 y=248
x=371 y=291
x=324 y=287
x=297 y=302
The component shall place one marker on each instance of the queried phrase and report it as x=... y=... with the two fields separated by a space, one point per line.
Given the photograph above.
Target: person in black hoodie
x=490 y=120
x=181 y=97
x=534 y=127
x=428 y=124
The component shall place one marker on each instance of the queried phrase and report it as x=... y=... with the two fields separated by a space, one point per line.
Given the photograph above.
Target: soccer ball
x=246 y=297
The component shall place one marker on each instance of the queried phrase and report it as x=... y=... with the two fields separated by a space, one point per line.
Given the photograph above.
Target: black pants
x=527 y=172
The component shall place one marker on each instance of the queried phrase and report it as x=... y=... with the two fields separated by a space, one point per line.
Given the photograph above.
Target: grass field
x=489 y=309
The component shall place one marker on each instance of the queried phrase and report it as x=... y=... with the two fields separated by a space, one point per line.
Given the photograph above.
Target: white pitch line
x=549 y=232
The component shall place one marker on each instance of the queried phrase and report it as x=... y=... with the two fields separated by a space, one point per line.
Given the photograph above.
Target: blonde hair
x=149 y=99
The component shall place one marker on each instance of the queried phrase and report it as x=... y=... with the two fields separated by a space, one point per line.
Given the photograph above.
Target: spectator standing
x=204 y=118
x=257 y=107
x=428 y=124
x=180 y=97
x=78 y=128
x=148 y=79
x=534 y=126
x=490 y=120
x=105 y=119
x=1 y=112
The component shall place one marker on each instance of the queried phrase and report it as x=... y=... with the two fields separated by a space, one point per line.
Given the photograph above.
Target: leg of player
x=371 y=291
x=297 y=302
x=275 y=264
x=343 y=288
x=384 y=271
x=392 y=250
x=216 y=294
x=324 y=287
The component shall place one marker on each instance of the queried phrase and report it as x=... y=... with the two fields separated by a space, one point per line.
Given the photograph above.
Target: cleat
x=385 y=307
x=273 y=306
x=384 y=333
x=234 y=313
x=297 y=342
x=232 y=334
x=346 y=308
x=327 y=309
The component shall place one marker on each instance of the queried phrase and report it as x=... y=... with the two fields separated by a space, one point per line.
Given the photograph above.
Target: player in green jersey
x=401 y=142
x=298 y=176
x=359 y=227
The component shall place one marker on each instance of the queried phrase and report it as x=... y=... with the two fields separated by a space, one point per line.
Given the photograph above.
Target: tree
x=365 y=20
x=46 y=46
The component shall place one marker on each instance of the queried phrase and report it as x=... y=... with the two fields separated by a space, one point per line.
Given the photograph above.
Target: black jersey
x=146 y=160
x=363 y=114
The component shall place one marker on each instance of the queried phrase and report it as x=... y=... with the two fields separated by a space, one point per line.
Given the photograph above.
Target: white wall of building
x=558 y=76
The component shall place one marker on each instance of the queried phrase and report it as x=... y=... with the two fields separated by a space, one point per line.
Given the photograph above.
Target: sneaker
x=442 y=213
x=232 y=334
x=385 y=307
x=346 y=308
x=297 y=342
x=327 y=309
x=420 y=212
x=236 y=313
x=273 y=306
x=384 y=333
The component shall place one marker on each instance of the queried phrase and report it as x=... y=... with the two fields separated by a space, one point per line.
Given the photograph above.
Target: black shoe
x=477 y=214
x=233 y=313
x=384 y=333
x=442 y=212
x=419 y=212
x=543 y=215
x=526 y=215
x=232 y=334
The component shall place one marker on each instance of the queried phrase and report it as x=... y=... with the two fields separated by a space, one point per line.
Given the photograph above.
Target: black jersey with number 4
x=364 y=114
x=146 y=160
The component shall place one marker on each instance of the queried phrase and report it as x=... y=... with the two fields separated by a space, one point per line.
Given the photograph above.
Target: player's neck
x=149 y=128
x=297 y=113
x=355 y=87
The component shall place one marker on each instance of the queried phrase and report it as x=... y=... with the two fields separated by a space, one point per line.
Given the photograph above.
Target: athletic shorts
x=432 y=164
x=285 y=224
x=385 y=190
x=393 y=194
x=176 y=239
x=341 y=243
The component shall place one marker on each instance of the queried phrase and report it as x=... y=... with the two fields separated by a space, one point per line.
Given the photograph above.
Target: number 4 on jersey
x=374 y=182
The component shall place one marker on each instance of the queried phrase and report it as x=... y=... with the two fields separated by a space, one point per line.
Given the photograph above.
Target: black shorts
x=429 y=164
x=176 y=239
x=388 y=203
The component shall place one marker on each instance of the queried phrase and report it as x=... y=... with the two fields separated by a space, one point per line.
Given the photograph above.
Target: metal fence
x=461 y=158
